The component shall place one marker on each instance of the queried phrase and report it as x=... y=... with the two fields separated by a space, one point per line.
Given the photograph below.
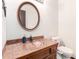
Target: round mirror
x=28 y=16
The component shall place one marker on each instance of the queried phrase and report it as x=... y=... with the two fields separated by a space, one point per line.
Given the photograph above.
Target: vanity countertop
x=17 y=50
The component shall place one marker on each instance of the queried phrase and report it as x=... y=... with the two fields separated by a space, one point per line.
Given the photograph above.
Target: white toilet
x=63 y=52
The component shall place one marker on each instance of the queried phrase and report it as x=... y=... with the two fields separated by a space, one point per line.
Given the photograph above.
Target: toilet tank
x=59 y=40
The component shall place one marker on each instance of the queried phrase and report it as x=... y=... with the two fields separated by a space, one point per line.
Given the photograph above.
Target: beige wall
x=67 y=22
x=48 y=21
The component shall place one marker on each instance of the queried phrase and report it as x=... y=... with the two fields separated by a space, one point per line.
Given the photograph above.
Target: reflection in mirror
x=28 y=16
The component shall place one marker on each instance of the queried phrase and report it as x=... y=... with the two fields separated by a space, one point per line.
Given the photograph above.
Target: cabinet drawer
x=41 y=54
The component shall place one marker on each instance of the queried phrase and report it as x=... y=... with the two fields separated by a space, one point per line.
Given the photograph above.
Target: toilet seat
x=65 y=51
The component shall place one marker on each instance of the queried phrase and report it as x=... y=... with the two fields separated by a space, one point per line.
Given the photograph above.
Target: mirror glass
x=28 y=16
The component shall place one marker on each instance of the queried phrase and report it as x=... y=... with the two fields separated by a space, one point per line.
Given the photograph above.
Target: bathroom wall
x=67 y=22
x=48 y=21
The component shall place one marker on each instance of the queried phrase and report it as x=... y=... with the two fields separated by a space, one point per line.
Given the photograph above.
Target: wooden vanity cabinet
x=15 y=49
x=46 y=53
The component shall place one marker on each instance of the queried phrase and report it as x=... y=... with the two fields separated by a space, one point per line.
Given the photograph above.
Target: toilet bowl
x=63 y=52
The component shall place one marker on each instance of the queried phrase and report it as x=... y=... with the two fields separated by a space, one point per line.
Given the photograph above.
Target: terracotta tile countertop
x=17 y=50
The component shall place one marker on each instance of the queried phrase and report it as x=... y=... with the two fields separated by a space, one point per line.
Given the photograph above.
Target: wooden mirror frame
x=18 y=12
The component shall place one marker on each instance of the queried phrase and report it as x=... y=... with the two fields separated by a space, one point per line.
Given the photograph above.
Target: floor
x=58 y=56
